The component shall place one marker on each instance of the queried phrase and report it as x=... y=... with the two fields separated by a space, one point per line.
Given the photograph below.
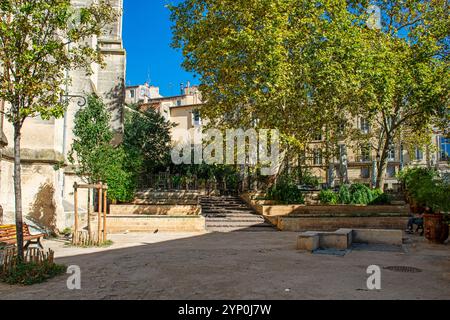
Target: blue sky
x=147 y=37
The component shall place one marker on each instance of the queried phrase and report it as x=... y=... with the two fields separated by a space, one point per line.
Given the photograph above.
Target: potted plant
x=436 y=222
x=430 y=195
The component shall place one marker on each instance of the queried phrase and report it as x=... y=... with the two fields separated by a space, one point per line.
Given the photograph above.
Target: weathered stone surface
x=329 y=223
x=308 y=241
x=118 y=224
x=377 y=236
x=48 y=193
x=150 y=209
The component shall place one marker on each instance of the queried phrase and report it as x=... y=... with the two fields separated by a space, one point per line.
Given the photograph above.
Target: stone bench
x=313 y=240
x=343 y=239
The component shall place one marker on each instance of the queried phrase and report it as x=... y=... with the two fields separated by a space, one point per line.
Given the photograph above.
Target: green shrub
x=361 y=194
x=345 y=196
x=379 y=197
x=286 y=192
x=426 y=188
x=31 y=273
x=328 y=197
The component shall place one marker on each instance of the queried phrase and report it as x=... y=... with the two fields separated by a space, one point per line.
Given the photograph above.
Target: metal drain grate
x=403 y=269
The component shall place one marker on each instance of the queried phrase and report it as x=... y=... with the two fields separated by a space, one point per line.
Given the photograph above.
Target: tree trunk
x=18 y=191
x=382 y=166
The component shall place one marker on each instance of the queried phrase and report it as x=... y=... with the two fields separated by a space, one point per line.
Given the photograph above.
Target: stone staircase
x=231 y=213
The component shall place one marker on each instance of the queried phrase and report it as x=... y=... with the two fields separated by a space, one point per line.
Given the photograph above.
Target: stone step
x=234 y=220
x=228 y=224
x=227 y=215
x=226 y=207
x=211 y=204
x=241 y=229
x=230 y=214
x=221 y=210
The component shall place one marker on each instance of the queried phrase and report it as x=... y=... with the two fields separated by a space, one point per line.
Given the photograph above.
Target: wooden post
x=89 y=214
x=75 y=210
x=99 y=220
x=105 y=208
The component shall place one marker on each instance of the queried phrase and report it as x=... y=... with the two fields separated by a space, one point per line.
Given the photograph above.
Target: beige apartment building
x=47 y=186
x=359 y=160
x=141 y=94
x=182 y=110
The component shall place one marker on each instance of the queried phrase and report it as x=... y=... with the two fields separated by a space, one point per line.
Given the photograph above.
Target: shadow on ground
x=240 y=265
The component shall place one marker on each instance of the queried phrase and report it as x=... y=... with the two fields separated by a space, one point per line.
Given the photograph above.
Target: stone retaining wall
x=155 y=209
x=331 y=217
x=299 y=224
x=120 y=224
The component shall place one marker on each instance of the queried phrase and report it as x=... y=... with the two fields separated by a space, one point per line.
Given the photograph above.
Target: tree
x=408 y=77
x=39 y=41
x=147 y=140
x=309 y=66
x=281 y=64
x=93 y=155
x=92 y=150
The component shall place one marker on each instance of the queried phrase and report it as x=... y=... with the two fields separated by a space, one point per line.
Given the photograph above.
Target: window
x=391 y=153
x=391 y=172
x=365 y=173
x=196 y=117
x=132 y=93
x=364 y=125
x=366 y=153
x=418 y=154
x=444 y=149
x=178 y=103
x=318 y=137
x=341 y=128
x=318 y=157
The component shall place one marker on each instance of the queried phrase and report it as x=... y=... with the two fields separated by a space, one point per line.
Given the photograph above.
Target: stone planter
x=436 y=229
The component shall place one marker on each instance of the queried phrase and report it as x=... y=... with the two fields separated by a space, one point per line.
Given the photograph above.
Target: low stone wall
x=155 y=209
x=353 y=210
x=120 y=224
x=297 y=224
x=343 y=239
x=331 y=217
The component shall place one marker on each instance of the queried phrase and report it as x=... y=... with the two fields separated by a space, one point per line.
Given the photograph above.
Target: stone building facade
x=47 y=186
x=141 y=94
x=184 y=111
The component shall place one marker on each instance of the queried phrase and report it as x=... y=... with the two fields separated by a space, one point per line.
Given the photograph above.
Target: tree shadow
x=43 y=209
x=115 y=99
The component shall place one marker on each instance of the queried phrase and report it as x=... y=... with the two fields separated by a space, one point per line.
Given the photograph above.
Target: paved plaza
x=240 y=265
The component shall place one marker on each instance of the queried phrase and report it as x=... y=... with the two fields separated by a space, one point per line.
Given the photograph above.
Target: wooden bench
x=8 y=236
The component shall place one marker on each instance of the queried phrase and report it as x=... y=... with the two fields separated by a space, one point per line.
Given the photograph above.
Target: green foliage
x=379 y=197
x=286 y=191
x=345 y=196
x=31 y=273
x=147 y=141
x=426 y=188
x=121 y=181
x=328 y=197
x=37 y=49
x=355 y=194
x=308 y=179
x=227 y=174
x=361 y=194
x=67 y=231
x=301 y=66
x=95 y=158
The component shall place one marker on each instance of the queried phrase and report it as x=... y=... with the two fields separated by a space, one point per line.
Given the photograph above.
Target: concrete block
x=308 y=241
x=334 y=240
x=378 y=236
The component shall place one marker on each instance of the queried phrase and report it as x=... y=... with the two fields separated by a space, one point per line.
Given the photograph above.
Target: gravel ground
x=240 y=265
